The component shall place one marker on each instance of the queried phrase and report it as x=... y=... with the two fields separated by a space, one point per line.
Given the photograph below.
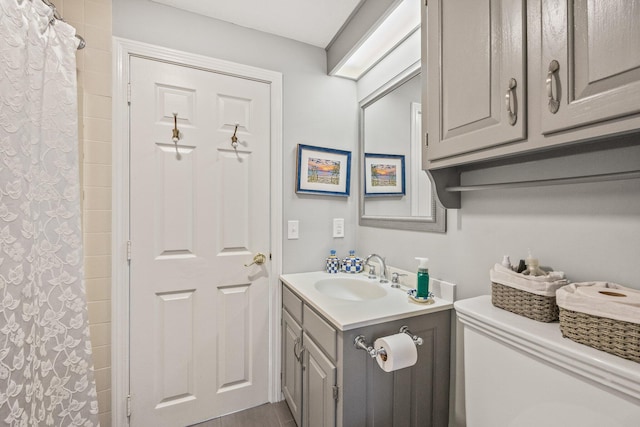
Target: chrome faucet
x=383 y=266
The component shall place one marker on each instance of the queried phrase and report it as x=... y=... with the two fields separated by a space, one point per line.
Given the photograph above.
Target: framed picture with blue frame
x=384 y=175
x=323 y=171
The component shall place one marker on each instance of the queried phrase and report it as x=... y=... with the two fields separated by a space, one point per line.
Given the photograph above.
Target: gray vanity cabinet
x=343 y=386
x=291 y=364
x=477 y=63
x=309 y=372
x=319 y=387
x=417 y=396
x=507 y=78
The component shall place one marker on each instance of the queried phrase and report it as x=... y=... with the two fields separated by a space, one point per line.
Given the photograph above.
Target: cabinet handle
x=302 y=350
x=513 y=114
x=554 y=104
x=295 y=349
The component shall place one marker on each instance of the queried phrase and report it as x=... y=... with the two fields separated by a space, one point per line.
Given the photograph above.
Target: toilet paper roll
x=400 y=352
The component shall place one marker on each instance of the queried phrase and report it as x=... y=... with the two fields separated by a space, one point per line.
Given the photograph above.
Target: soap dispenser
x=422 y=290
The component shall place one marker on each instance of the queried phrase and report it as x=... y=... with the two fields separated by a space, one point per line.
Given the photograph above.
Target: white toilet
x=523 y=373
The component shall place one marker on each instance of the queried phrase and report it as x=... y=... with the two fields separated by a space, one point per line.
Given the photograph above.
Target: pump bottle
x=533 y=268
x=422 y=290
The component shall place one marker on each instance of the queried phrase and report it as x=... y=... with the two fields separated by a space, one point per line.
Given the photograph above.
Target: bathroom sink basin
x=350 y=289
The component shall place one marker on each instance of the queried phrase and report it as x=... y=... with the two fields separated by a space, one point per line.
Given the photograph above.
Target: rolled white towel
x=556 y=275
x=602 y=299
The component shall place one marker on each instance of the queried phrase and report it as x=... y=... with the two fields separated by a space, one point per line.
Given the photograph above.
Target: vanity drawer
x=292 y=303
x=321 y=332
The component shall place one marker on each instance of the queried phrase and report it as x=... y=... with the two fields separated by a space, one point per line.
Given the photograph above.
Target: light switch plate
x=293 y=228
x=338 y=227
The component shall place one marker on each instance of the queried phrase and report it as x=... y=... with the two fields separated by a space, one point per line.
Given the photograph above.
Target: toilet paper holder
x=360 y=342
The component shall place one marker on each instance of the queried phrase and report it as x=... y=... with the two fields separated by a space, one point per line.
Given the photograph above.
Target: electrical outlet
x=293 y=229
x=338 y=227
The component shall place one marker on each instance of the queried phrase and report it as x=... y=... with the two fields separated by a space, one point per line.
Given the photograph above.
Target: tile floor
x=267 y=415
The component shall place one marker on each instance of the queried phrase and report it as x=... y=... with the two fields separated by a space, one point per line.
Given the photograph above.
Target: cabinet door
x=292 y=365
x=476 y=93
x=319 y=404
x=596 y=46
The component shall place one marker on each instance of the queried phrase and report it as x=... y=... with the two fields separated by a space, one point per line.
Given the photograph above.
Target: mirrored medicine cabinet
x=390 y=139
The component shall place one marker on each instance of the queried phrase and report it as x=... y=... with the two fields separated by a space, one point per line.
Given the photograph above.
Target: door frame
x=123 y=49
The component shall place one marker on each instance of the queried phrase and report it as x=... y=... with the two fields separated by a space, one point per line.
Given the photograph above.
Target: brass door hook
x=234 y=138
x=176 y=132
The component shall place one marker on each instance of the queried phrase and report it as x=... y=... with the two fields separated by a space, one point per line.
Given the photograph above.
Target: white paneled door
x=199 y=212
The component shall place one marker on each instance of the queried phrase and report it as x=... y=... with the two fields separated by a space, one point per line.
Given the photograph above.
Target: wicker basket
x=613 y=336
x=536 y=307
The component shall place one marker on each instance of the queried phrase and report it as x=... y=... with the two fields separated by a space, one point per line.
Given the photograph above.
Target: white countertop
x=346 y=315
x=545 y=341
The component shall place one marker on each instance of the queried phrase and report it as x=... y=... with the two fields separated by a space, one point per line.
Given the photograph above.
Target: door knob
x=258 y=259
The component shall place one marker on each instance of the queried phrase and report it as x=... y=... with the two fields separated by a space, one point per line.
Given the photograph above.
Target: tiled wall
x=92 y=20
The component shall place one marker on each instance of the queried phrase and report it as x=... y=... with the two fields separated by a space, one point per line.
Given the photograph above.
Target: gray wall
x=318 y=109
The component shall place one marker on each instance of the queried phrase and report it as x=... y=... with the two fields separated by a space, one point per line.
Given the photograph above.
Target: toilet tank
x=523 y=373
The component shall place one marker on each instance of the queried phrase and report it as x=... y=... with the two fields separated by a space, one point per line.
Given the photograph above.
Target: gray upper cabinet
x=509 y=78
x=591 y=57
x=476 y=75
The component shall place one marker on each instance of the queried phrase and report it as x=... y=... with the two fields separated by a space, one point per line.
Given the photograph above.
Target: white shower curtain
x=46 y=372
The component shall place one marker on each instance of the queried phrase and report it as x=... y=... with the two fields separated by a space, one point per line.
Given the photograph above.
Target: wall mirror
x=394 y=190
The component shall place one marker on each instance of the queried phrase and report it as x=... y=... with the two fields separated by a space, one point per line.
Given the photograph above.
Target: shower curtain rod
x=57 y=16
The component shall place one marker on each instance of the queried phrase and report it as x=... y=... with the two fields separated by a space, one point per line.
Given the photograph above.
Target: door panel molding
x=234 y=324
x=174 y=186
x=174 y=312
x=123 y=50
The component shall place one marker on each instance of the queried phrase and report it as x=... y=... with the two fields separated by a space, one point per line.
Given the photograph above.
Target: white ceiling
x=315 y=22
